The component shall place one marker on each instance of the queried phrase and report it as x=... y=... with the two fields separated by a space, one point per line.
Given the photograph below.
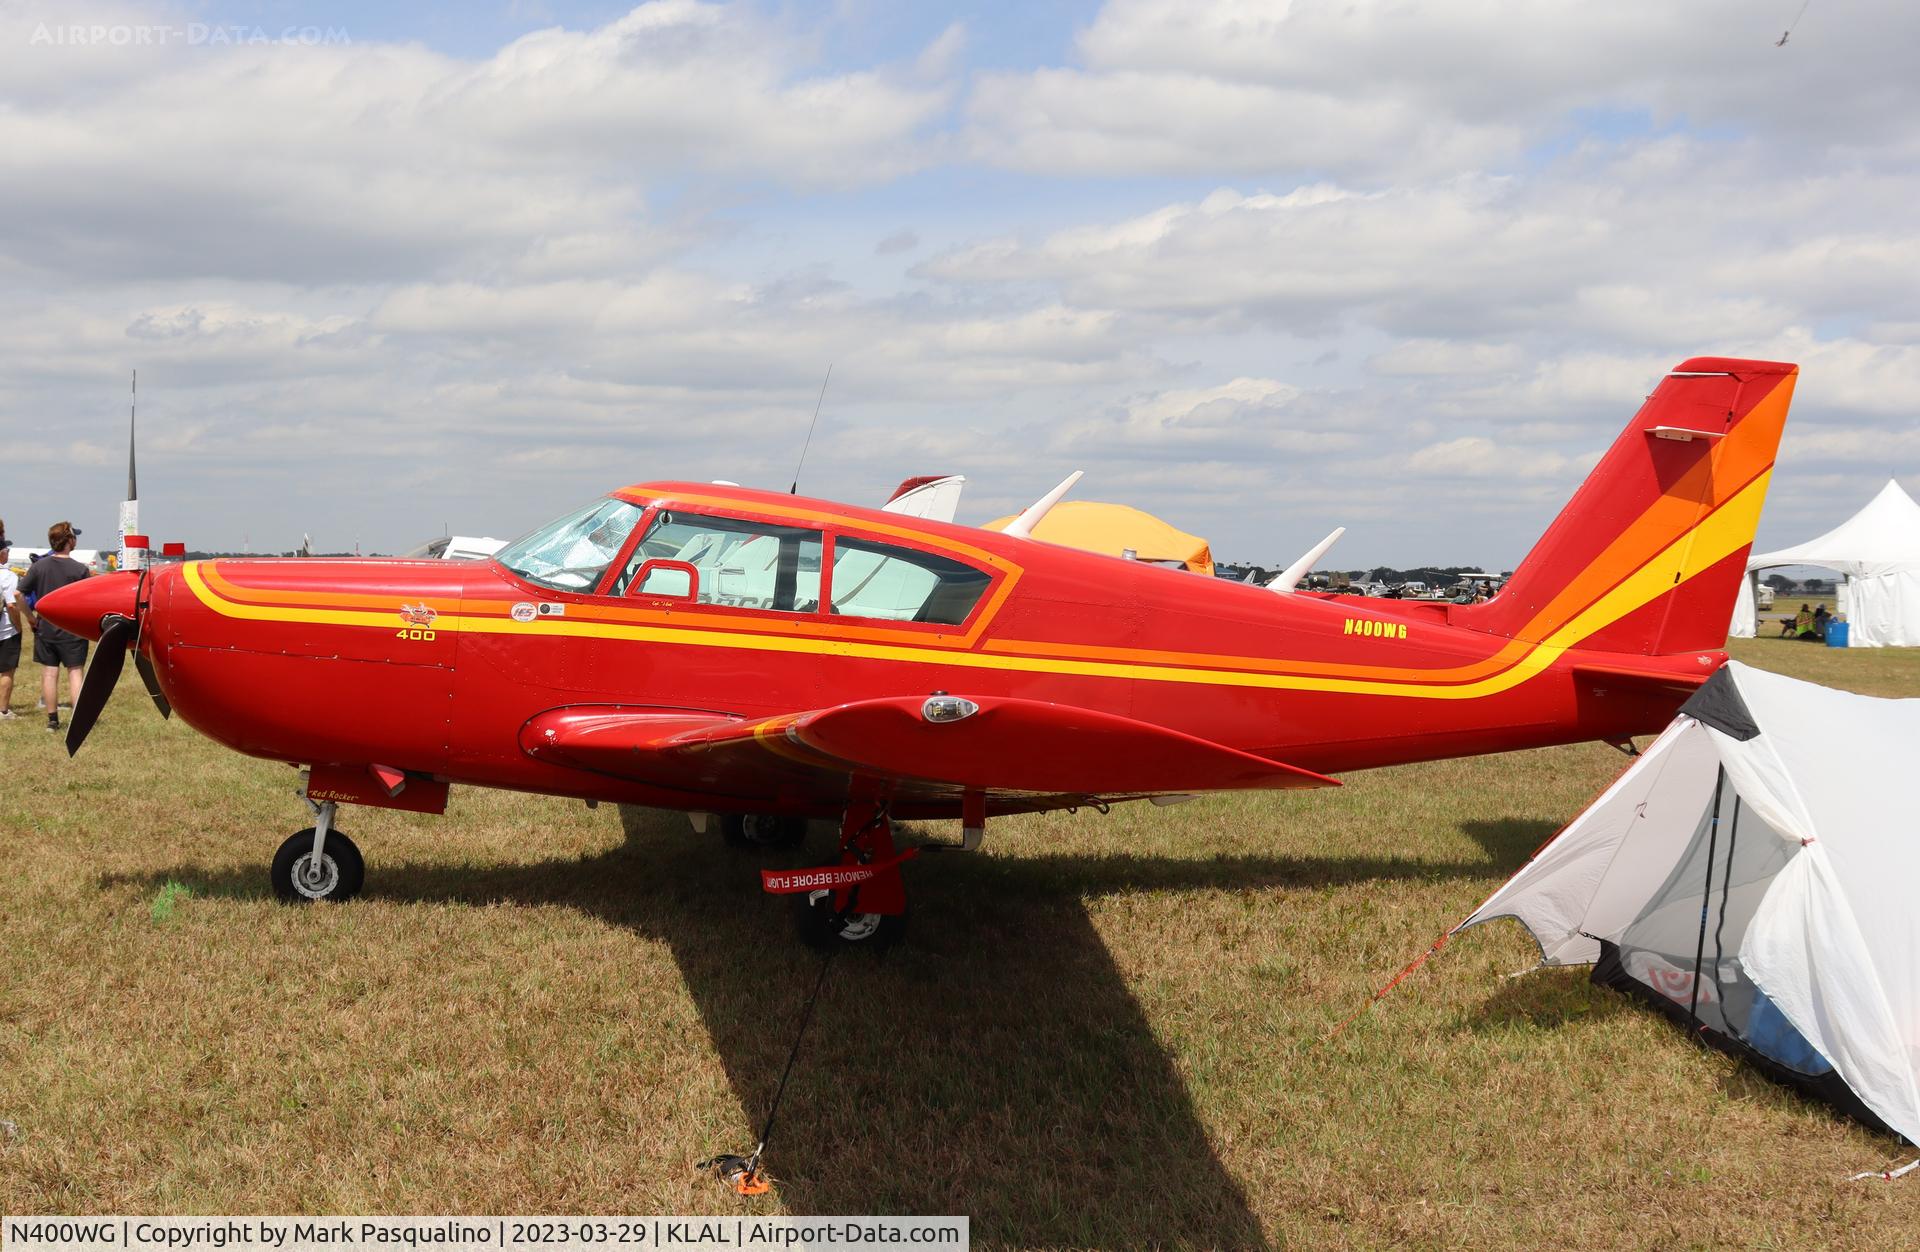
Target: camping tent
x=1753 y=875
x=1878 y=549
x=1116 y=529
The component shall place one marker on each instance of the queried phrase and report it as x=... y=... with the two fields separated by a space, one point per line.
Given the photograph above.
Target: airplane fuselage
x=434 y=667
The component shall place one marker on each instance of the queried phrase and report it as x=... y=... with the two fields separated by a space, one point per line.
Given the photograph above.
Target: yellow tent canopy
x=1093 y=526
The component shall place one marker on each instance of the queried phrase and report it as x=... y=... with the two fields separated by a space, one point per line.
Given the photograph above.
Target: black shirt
x=50 y=573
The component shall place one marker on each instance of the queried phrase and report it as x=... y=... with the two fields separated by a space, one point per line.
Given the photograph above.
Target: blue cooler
x=1836 y=634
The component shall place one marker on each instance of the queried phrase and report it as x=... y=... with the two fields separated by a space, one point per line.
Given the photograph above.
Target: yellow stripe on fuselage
x=1716 y=537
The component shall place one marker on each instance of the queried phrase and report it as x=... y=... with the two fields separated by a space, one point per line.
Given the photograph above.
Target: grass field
x=1102 y=1031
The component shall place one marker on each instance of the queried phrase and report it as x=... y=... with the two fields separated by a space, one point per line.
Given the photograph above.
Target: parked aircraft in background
x=724 y=650
x=935 y=497
x=457 y=548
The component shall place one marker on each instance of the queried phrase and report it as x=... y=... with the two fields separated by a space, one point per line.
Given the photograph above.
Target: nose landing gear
x=318 y=863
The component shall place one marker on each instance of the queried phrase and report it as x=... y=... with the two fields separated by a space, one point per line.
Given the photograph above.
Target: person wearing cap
x=12 y=627
x=54 y=648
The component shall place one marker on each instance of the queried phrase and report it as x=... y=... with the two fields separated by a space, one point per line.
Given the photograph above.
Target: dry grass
x=1102 y=1032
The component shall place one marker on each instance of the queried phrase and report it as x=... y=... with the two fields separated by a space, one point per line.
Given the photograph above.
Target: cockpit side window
x=572 y=554
x=880 y=580
x=744 y=564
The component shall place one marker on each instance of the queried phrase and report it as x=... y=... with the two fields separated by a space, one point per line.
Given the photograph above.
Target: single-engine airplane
x=776 y=658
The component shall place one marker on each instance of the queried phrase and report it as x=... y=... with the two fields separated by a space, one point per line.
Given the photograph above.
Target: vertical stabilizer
x=1648 y=555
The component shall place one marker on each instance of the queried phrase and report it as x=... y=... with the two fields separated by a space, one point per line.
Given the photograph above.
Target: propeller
x=151 y=679
x=109 y=658
x=119 y=633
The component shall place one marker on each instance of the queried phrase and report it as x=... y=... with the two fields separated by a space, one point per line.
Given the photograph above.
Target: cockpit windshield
x=573 y=553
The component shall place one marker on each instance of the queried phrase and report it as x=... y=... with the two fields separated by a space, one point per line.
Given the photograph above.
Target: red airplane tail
x=1648 y=555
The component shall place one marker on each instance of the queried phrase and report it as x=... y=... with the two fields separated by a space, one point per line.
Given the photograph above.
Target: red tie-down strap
x=786 y=882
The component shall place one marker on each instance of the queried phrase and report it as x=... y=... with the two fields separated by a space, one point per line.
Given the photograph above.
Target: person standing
x=54 y=648
x=12 y=627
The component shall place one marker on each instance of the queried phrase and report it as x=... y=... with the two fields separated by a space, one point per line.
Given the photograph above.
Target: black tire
x=763 y=830
x=343 y=872
x=822 y=928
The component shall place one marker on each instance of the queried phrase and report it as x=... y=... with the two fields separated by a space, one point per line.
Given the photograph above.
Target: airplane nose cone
x=79 y=607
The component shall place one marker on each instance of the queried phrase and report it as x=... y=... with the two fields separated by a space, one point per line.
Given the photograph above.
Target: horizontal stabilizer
x=1652 y=681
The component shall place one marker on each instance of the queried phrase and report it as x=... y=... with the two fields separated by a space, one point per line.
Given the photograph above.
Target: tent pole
x=1706 y=902
x=1726 y=887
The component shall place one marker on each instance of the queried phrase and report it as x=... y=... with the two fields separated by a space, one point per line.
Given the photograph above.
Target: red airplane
x=773 y=658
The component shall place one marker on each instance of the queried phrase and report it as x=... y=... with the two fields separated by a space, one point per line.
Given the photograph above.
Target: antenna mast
x=133 y=401
x=795 y=489
x=131 y=558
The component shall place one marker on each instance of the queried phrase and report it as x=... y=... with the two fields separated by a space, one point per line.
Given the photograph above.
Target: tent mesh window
x=1680 y=954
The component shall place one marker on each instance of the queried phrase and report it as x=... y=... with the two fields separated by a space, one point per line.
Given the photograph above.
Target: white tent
x=1878 y=550
x=1746 y=613
x=1752 y=874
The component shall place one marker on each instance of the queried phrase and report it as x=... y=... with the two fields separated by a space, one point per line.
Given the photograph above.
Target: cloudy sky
x=1261 y=267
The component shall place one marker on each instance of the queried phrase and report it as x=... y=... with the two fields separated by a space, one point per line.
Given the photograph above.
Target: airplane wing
x=1019 y=753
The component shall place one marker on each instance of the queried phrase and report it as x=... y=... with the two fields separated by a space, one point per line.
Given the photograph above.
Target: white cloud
x=1474 y=457
x=1448 y=248
x=1380 y=90
x=1439 y=356
x=375 y=161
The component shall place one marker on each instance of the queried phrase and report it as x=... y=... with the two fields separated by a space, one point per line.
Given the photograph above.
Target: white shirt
x=9 y=592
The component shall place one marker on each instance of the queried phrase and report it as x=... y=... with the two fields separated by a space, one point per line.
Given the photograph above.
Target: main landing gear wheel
x=338 y=875
x=823 y=928
x=763 y=830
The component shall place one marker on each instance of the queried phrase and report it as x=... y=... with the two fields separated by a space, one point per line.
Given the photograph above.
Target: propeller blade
x=109 y=658
x=152 y=680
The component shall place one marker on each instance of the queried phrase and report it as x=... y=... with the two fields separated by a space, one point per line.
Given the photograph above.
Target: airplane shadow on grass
x=1510 y=842
x=995 y=1064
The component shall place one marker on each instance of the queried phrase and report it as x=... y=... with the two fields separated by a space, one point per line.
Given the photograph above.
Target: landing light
x=947 y=708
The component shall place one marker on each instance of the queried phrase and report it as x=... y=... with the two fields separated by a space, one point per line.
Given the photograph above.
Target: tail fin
x=1648 y=555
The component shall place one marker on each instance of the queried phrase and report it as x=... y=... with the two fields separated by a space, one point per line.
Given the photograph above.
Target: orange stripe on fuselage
x=1728 y=470
x=370 y=601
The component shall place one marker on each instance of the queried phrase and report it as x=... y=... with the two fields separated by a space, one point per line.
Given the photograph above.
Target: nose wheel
x=824 y=927
x=318 y=863
x=300 y=878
